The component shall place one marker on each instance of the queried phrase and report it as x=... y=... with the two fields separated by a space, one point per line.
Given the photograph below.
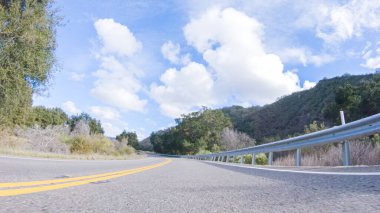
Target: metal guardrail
x=360 y=128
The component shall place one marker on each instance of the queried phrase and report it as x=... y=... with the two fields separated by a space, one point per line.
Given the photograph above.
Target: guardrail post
x=298 y=157
x=270 y=160
x=253 y=159
x=345 y=144
x=242 y=159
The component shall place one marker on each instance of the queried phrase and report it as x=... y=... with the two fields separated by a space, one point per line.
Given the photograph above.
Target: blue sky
x=137 y=65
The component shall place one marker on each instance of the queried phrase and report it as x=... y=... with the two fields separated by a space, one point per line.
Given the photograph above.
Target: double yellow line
x=47 y=185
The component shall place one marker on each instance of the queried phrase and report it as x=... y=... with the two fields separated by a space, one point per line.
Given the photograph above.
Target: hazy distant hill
x=358 y=96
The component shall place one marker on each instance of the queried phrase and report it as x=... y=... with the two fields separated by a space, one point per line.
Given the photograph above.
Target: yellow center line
x=101 y=177
x=63 y=180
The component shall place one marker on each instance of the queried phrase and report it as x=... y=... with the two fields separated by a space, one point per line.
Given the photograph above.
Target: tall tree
x=95 y=125
x=130 y=137
x=27 y=44
x=44 y=117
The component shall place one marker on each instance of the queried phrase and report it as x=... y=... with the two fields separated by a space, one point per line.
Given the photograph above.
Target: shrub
x=127 y=150
x=80 y=145
x=101 y=144
x=261 y=159
x=362 y=152
x=48 y=139
x=203 y=152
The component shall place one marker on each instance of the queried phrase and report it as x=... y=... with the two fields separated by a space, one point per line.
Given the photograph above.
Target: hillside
x=358 y=96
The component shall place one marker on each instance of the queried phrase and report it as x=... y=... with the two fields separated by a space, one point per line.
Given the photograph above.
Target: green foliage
x=314 y=127
x=44 y=117
x=27 y=44
x=357 y=100
x=130 y=138
x=127 y=150
x=357 y=95
x=95 y=125
x=194 y=132
x=261 y=159
x=99 y=144
x=203 y=152
x=79 y=145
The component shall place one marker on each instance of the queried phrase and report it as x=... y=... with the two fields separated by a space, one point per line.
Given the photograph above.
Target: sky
x=137 y=64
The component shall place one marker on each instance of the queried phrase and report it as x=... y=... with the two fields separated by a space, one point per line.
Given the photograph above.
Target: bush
x=48 y=139
x=203 y=152
x=261 y=159
x=127 y=150
x=80 y=145
x=99 y=144
x=362 y=152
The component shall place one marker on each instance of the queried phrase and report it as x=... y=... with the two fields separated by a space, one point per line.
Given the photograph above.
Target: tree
x=194 y=133
x=95 y=125
x=232 y=139
x=44 y=117
x=27 y=44
x=130 y=138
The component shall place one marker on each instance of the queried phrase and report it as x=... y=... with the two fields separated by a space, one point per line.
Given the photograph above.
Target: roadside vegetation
x=27 y=64
x=74 y=138
x=211 y=131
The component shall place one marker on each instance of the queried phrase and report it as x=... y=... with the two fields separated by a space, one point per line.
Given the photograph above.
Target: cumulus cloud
x=116 y=38
x=337 y=22
x=231 y=44
x=71 y=108
x=105 y=113
x=171 y=52
x=238 y=70
x=117 y=83
x=308 y=85
x=191 y=86
x=111 y=130
x=117 y=86
x=371 y=55
x=303 y=56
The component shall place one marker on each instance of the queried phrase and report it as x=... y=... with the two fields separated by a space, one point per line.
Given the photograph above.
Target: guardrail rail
x=356 y=129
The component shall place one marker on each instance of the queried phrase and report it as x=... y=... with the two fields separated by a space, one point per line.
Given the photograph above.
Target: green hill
x=358 y=96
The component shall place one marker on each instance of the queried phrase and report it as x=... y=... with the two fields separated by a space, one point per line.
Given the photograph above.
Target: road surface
x=177 y=185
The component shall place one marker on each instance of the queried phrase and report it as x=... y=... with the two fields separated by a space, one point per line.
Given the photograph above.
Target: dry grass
x=26 y=153
x=57 y=142
x=363 y=152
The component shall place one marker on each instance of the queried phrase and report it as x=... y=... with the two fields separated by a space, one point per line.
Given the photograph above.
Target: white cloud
x=117 y=86
x=111 y=130
x=117 y=83
x=75 y=76
x=371 y=55
x=308 y=85
x=116 y=38
x=184 y=89
x=70 y=108
x=238 y=70
x=337 y=22
x=231 y=44
x=171 y=52
x=372 y=63
x=303 y=56
x=105 y=113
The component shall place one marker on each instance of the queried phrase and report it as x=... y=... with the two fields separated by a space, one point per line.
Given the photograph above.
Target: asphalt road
x=180 y=186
